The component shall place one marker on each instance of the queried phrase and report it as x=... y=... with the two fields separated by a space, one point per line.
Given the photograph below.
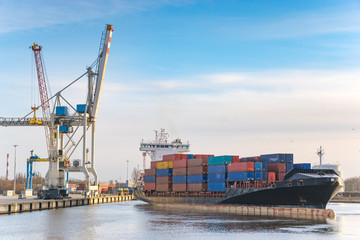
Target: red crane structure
x=44 y=97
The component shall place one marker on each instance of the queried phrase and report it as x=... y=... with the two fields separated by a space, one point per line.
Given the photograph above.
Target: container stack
x=217 y=173
x=197 y=173
x=278 y=163
x=179 y=172
x=241 y=171
x=208 y=173
x=149 y=179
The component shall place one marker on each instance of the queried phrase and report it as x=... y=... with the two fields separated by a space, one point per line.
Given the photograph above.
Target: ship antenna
x=320 y=152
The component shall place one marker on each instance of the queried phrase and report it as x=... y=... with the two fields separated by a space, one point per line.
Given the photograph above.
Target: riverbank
x=10 y=205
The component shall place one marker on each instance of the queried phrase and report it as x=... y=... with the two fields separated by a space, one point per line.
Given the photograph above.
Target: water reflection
x=137 y=220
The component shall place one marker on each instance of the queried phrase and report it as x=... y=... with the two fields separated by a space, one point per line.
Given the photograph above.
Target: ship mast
x=320 y=153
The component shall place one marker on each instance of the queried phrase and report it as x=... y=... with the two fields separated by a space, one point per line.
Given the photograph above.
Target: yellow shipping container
x=164 y=165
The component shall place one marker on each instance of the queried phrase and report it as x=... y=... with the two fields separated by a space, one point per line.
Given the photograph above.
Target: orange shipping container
x=241 y=167
x=180 y=163
x=271 y=177
x=149 y=186
x=179 y=171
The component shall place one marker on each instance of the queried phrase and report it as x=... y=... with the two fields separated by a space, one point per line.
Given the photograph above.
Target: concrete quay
x=10 y=205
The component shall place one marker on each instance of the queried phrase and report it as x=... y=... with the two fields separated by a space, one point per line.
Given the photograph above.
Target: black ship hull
x=300 y=188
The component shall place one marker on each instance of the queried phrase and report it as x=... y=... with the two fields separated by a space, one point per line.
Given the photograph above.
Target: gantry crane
x=65 y=131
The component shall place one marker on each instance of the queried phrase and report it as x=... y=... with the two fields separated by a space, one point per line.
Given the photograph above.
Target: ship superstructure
x=159 y=147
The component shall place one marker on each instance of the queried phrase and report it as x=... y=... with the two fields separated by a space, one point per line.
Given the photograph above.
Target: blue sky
x=232 y=77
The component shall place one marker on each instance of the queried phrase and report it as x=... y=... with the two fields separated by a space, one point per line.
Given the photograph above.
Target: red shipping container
x=199 y=170
x=271 y=177
x=257 y=159
x=280 y=176
x=277 y=167
x=153 y=164
x=203 y=155
x=235 y=159
x=179 y=187
x=241 y=167
x=250 y=159
x=174 y=157
x=149 y=186
x=150 y=172
x=163 y=180
x=179 y=171
x=180 y=163
x=197 y=162
x=197 y=187
x=163 y=187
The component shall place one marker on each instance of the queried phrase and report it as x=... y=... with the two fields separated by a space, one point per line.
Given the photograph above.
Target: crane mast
x=45 y=104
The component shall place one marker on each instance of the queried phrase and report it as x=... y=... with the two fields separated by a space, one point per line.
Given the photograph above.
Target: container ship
x=272 y=180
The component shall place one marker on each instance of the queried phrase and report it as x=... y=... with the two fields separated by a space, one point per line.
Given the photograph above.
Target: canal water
x=136 y=220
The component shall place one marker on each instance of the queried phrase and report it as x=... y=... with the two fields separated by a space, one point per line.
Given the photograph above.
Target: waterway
x=136 y=220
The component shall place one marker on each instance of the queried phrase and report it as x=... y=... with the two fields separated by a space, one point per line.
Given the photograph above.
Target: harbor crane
x=65 y=130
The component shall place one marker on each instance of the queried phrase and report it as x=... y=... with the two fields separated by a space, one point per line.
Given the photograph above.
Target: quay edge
x=36 y=205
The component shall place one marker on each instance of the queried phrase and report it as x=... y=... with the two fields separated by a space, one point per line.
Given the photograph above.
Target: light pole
x=127 y=170
x=15 y=170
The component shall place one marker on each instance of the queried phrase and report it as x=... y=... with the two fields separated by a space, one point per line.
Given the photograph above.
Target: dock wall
x=299 y=213
x=35 y=205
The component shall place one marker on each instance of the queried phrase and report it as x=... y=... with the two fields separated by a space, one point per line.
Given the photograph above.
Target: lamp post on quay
x=15 y=170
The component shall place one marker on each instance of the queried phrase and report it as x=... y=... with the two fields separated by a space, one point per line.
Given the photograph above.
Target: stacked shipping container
x=201 y=173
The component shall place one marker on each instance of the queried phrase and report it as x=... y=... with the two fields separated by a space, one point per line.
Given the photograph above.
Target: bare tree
x=135 y=174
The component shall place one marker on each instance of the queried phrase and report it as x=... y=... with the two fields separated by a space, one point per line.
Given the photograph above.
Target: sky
x=231 y=77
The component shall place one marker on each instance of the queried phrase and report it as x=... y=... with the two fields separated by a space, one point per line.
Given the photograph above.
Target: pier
x=11 y=205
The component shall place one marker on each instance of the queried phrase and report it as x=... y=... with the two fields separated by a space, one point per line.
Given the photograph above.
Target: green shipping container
x=219 y=160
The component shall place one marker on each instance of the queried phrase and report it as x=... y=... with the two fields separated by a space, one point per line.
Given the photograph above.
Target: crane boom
x=45 y=105
x=101 y=71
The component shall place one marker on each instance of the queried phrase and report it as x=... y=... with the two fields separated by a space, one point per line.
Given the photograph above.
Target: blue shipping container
x=258 y=176
x=196 y=178
x=179 y=179
x=214 y=178
x=61 y=111
x=289 y=158
x=264 y=167
x=216 y=187
x=264 y=176
x=289 y=166
x=164 y=172
x=217 y=168
x=273 y=158
x=149 y=179
x=302 y=165
x=241 y=176
x=258 y=167
x=219 y=160
x=190 y=156
x=80 y=108
x=65 y=129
